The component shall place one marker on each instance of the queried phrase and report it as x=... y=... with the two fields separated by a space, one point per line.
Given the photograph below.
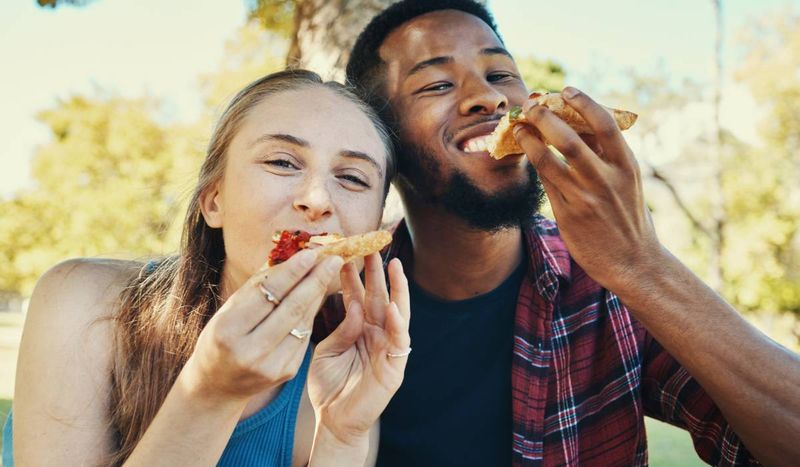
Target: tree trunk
x=718 y=198
x=325 y=31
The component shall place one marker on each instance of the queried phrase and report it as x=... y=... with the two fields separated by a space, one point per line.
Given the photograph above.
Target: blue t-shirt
x=454 y=407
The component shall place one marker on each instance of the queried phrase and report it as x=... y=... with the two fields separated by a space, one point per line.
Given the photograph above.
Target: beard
x=423 y=175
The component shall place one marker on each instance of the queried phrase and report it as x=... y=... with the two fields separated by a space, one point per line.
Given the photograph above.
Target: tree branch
x=657 y=175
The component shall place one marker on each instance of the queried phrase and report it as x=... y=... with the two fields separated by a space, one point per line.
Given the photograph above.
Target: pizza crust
x=357 y=245
x=502 y=143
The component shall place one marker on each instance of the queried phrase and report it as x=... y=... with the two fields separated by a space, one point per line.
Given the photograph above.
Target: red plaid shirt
x=585 y=372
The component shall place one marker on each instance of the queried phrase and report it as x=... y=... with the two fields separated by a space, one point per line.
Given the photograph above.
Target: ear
x=211 y=207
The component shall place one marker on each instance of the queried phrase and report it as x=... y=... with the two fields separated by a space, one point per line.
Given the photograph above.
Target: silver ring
x=269 y=296
x=399 y=355
x=300 y=334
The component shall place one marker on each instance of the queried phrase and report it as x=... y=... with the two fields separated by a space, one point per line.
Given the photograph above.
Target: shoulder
x=72 y=305
x=81 y=285
x=64 y=362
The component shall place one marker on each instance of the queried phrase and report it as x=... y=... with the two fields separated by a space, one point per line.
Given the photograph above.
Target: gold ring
x=300 y=334
x=399 y=355
x=269 y=296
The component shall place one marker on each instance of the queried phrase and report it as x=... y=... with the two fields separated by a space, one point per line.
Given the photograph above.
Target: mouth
x=475 y=140
x=477 y=144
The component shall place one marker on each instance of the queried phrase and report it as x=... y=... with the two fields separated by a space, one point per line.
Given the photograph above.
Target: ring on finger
x=405 y=353
x=268 y=295
x=300 y=333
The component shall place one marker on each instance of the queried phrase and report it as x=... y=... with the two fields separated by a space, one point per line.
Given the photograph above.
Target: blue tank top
x=264 y=439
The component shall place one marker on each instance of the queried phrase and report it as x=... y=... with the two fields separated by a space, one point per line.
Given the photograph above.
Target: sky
x=159 y=48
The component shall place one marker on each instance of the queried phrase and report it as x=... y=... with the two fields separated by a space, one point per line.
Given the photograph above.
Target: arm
x=598 y=202
x=244 y=350
x=62 y=410
x=61 y=395
x=671 y=394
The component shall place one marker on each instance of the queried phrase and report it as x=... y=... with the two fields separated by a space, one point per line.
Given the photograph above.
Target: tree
x=114 y=181
x=57 y=3
x=770 y=208
x=103 y=186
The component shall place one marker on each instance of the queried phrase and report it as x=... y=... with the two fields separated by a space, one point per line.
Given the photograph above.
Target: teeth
x=478 y=144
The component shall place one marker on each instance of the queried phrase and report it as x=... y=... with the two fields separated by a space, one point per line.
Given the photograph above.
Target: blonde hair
x=163 y=310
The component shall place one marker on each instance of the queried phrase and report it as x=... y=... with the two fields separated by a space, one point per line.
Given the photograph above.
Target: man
x=532 y=344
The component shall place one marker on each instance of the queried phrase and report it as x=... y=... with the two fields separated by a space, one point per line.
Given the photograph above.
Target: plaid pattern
x=585 y=372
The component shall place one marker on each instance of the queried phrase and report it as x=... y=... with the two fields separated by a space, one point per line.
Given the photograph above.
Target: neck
x=455 y=261
x=230 y=281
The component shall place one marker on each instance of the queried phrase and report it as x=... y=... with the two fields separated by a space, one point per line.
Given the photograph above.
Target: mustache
x=450 y=135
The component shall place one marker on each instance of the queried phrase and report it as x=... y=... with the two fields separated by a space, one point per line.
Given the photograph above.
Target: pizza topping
x=287 y=244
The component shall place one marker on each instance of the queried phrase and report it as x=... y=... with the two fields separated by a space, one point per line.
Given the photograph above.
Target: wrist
x=338 y=448
x=191 y=385
x=636 y=273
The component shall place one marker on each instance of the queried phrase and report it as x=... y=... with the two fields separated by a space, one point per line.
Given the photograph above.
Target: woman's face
x=307 y=159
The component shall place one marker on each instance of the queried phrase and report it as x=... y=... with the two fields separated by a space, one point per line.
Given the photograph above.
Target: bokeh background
x=105 y=108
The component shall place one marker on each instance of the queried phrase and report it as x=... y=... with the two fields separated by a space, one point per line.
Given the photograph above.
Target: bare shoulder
x=87 y=281
x=74 y=296
x=63 y=375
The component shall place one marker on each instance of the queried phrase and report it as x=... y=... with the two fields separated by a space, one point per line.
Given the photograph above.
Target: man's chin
x=499 y=209
x=490 y=195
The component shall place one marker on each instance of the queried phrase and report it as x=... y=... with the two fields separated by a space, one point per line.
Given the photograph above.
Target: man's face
x=449 y=80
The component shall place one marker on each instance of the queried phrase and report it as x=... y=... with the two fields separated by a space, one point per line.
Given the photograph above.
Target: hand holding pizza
x=359 y=367
x=596 y=193
x=258 y=338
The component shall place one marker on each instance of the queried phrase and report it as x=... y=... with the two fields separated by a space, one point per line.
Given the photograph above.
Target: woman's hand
x=359 y=367
x=257 y=340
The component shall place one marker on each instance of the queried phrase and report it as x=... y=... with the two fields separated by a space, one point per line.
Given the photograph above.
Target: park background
x=107 y=106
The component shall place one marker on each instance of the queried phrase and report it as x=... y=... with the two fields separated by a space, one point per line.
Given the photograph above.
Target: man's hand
x=596 y=193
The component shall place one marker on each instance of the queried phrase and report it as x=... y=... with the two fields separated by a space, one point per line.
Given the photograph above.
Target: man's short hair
x=365 y=67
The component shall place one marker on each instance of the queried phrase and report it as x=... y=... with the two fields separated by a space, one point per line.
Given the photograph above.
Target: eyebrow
x=496 y=51
x=363 y=157
x=281 y=137
x=429 y=63
x=444 y=60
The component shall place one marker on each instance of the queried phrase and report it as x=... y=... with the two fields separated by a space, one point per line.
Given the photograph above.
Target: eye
x=354 y=180
x=435 y=87
x=499 y=76
x=282 y=163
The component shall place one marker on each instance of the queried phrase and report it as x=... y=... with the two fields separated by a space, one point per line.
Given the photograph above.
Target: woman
x=205 y=354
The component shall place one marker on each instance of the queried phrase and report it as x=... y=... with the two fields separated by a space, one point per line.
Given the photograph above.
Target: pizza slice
x=287 y=243
x=502 y=142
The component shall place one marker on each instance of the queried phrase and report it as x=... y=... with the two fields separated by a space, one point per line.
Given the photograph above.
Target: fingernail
x=569 y=92
x=527 y=105
x=517 y=129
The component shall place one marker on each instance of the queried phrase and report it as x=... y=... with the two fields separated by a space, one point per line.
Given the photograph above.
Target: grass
x=669 y=446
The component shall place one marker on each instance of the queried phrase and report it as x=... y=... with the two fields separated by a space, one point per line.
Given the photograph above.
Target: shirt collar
x=550 y=262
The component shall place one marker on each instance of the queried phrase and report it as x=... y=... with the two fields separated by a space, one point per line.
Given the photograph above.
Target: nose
x=481 y=98
x=314 y=201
